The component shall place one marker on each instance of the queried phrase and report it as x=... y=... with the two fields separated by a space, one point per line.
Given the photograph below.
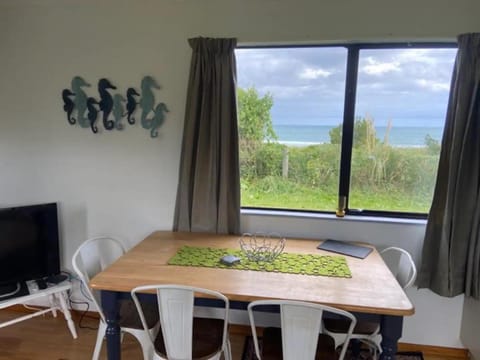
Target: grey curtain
x=208 y=195
x=451 y=251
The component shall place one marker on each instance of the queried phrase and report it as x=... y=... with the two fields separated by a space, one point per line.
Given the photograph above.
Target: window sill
x=331 y=217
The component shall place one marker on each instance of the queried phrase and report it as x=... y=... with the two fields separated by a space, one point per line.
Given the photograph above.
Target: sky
x=408 y=87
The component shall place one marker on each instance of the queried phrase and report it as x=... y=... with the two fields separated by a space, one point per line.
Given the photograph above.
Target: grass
x=278 y=193
x=383 y=178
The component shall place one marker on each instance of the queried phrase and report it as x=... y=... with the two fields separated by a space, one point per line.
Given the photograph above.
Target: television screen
x=28 y=243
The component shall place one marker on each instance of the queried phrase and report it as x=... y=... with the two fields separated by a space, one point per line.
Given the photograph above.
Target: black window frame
x=353 y=57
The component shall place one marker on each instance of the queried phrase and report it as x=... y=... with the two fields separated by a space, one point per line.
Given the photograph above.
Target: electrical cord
x=83 y=314
x=72 y=302
x=32 y=308
x=84 y=292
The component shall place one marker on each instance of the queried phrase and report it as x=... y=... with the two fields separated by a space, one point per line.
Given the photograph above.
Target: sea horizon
x=406 y=136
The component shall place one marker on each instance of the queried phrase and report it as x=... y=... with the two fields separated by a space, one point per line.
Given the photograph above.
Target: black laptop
x=345 y=248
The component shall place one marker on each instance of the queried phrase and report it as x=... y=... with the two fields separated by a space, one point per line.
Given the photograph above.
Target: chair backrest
x=301 y=324
x=93 y=256
x=401 y=264
x=176 y=305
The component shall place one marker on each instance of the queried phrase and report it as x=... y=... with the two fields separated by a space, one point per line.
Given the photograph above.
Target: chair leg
x=217 y=356
x=373 y=347
x=102 y=327
x=376 y=348
x=145 y=343
x=227 y=351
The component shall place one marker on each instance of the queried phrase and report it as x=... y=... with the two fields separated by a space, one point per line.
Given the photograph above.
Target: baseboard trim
x=437 y=351
x=428 y=350
x=75 y=312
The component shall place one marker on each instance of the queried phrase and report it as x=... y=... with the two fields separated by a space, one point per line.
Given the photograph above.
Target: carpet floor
x=249 y=353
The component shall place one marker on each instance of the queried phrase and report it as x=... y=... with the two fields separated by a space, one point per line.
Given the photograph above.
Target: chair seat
x=341 y=326
x=272 y=346
x=129 y=317
x=207 y=338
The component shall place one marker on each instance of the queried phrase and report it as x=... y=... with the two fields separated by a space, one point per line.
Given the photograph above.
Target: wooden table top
x=371 y=289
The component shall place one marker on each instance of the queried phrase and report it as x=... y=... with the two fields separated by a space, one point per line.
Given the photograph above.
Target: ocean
x=406 y=136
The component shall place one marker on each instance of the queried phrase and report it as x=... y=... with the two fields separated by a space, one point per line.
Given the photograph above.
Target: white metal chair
x=93 y=256
x=181 y=335
x=402 y=266
x=300 y=336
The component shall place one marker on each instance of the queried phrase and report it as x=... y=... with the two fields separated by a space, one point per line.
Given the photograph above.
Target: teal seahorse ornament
x=118 y=110
x=80 y=100
x=147 y=100
x=158 y=119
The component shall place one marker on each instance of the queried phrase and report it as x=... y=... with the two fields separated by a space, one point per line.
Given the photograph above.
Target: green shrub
x=268 y=159
x=384 y=178
x=315 y=166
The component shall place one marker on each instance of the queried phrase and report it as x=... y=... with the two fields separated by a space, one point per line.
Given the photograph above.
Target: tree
x=432 y=145
x=254 y=120
x=364 y=134
x=335 y=135
x=254 y=127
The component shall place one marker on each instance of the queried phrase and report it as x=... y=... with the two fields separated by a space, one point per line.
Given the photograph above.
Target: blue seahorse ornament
x=131 y=104
x=80 y=100
x=158 y=119
x=147 y=101
x=106 y=102
x=92 y=113
x=68 y=105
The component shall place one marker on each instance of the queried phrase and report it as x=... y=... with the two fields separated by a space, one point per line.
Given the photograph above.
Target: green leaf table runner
x=305 y=264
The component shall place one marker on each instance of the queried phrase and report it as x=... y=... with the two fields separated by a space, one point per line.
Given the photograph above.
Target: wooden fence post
x=285 y=163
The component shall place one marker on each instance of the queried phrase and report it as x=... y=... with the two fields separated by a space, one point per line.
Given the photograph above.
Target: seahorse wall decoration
x=147 y=101
x=68 y=105
x=92 y=113
x=80 y=100
x=118 y=110
x=131 y=104
x=106 y=102
x=84 y=110
x=158 y=118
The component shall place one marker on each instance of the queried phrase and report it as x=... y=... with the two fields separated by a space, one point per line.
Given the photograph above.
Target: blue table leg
x=110 y=309
x=391 y=330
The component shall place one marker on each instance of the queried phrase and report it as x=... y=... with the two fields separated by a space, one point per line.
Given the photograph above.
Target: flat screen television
x=29 y=245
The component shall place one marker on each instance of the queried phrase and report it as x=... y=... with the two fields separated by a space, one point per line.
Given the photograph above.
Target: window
x=354 y=128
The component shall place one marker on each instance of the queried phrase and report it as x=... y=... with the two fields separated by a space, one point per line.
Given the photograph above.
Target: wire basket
x=261 y=247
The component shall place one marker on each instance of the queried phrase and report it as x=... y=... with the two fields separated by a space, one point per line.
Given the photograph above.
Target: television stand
x=56 y=295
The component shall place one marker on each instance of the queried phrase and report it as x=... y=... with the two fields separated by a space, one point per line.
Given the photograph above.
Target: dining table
x=363 y=286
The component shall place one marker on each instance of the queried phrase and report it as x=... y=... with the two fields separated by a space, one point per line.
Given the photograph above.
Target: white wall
x=124 y=182
x=470 y=331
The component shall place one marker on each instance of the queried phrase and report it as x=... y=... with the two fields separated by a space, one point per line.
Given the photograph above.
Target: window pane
x=402 y=97
x=290 y=103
